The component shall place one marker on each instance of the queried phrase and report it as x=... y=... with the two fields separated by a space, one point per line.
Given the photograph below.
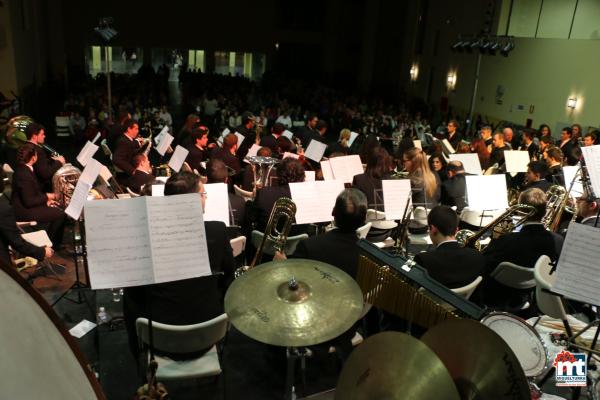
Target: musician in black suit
x=378 y=168
x=309 y=131
x=45 y=166
x=497 y=156
x=10 y=235
x=270 y=141
x=248 y=173
x=522 y=248
x=216 y=172
x=198 y=150
x=554 y=157
x=569 y=149
x=29 y=200
x=536 y=176
x=125 y=149
x=454 y=189
x=587 y=209
x=187 y=301
x=452 y=133
x=246 y=129
x=449 y=263
x=227 y=153
x=142 y=173
x=529 y=145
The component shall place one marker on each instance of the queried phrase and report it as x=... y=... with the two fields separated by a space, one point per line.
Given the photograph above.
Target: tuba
x=63 y=183
x=15 y=130
x=261 y=168
x=505 y=223
x=277 y=230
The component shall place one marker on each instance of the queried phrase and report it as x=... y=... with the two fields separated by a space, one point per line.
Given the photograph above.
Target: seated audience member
x=187 y=301
x=227 y=153
x=425 y=184
x=270 y=141
x=379 y=165
x=142 y=173
x=10 y=235
x=126 y=148
x=554 y=157
x=437 y=164
x=45 y=167
x=449 y=263
x=198 y=150
x=216 y=172
x=522 y=248
x=454 y=189
x=536 y=176
x=30 y=202
x=587 y=209
x=289 y=170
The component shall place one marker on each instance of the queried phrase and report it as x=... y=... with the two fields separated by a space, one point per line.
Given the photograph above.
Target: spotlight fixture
x=414 y=72
x=507 y=48
x=572 y=102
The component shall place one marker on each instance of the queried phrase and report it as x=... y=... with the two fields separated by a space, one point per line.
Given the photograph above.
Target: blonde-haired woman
x=341 y=146
x=425 y=184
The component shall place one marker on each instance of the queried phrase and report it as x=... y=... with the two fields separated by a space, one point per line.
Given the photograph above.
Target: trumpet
x=277 y=230
x=505 y=223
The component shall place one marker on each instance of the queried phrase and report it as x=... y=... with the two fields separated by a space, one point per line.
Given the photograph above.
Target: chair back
x=290 y=244
x=238 y=245
x=183 y=338
x=248 y=196
x=467 y=290
x=363 y=231
x=514 y=276
x=548 y=303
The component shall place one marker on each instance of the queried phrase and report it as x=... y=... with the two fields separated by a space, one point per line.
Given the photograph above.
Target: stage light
x=451 y=80
x=572 y=102
x=414 y=72
x=507 y=48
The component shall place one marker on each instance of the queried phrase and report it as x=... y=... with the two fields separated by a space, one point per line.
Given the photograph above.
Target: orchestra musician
x=425 y=184
x=589 y=139
x=454 y=189
x=486 y=135
x=341 y=146
x=587 y=209
x=554 y=157
x=126 y=148
x=497 y=156
x=248 y=175
x=379 y=167
x=227 y=153
x=45 y=166
x=142 y=173
x=246 y=129
x=568 y=148
x=537 y=171
x=453 y=135
x=529 y=145
x=198 y=149
x=216 y=172
x=270 y=141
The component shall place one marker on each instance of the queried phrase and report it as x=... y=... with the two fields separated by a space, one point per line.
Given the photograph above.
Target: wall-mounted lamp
x=414 y=72
x=572 y=102
x=276 y=45
x=451 y=81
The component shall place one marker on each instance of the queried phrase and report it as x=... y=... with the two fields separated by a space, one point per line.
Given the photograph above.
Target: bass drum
x=40 y=360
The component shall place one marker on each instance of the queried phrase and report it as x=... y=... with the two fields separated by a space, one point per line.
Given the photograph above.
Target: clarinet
x=53 y=153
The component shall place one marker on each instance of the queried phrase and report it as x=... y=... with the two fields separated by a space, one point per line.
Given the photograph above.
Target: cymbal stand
x=293 y=355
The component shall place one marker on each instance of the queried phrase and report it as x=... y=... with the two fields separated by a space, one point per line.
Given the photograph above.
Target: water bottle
x=102 y=317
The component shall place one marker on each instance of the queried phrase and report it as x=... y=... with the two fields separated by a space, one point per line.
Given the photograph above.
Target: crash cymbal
x=394 y=366
x=479 y=360
x=322 y=302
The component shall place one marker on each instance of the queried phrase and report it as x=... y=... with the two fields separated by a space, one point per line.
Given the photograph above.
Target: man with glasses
x=587 y=208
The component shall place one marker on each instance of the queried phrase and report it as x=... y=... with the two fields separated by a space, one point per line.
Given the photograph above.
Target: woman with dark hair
x=370 y=143
x=379 y=166
x=544 y=131
x=426 y=185
x=478 y=146
x=438 y=164
x=30 y=202
x=184 y=138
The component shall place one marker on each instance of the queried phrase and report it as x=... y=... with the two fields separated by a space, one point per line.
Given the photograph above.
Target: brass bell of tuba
x=276 y=232
x=63 y=183
x=512 y=218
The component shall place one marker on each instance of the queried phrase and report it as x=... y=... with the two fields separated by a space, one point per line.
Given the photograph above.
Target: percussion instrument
x=480 y=362
x=40 y=360
x=522 y=338
x=294 y=303
x=394 y=365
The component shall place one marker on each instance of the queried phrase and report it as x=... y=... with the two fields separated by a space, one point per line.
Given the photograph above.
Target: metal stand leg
x=291 y=371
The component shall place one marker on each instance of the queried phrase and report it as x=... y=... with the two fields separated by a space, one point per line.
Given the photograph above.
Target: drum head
x=40 y=360
x=523 y=340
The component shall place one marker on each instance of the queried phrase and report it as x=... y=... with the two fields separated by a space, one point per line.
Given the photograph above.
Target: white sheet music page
x=177 y=237
x=486 y=192
x=78 y=199
x=570 y=172
x=309 y=176
x=469 y=161
x=158 y=190
x=86 y=153
x=217 y=202
x=240 y=137
x=37 y=238
x=288 y=154
x=353 y=136
x=225 y=132
x=516 y=160
x=105 y=173
x=417 y=144
x=591 y=155
x=287 y=134
x=252 y=151
x=578 y=270
x=118 y=243
x=315 y=150
x=178 y=157
x=326 y=171
x=315 y=200
x=344 y=168
x=163 y=144
x=163 y=131
x=448 y=147
x=396 y=193
x=91 y=171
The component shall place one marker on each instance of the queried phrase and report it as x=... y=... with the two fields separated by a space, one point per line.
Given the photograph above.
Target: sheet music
x=288 y=154
x=163 y=131
x=396 y=193
x=86 y=153
x=315 y=150
x=486 y=192
x=287 y=134
x=163 y=144
x=105 y=173
x=309 y=176
x=570 y=172
x=240 y=138
x=344 y=168
x=448 y=146
x=158 y=190
x=417 y=144
x=217 y=202
x=469 y=161
x=315 y=200
x=145 y=240
x=37 y=238
x=326 y=170
x=225 y=132
x=516 y=160
x=78 y=199
x=353 y=136
x=591 y=154
x=177 y=237
x=178 y=157
x=578 y=276
x=252 y=151
x=91 y=171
